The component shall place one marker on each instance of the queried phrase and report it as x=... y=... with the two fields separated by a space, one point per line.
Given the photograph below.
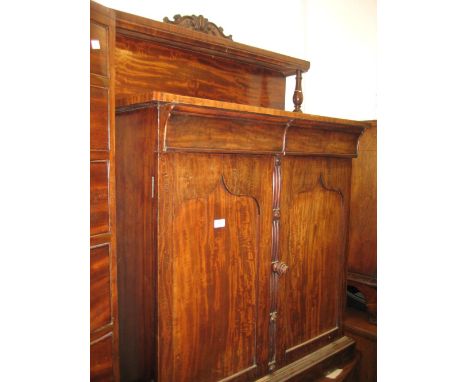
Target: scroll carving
x=198 y=23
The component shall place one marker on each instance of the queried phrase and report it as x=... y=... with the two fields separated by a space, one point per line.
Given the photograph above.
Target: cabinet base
x=315 y=366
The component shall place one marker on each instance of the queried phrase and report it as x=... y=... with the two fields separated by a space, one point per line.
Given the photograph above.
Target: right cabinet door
x=314 y=213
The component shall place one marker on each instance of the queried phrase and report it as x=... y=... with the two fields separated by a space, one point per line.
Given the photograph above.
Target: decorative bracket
x=199 y=24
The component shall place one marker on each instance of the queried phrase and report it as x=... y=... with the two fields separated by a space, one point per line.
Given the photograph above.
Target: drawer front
x=99 y=198
x=99 y=49
x=100 y=292
x=99 y=123
x=218 y=134
x=101 y=360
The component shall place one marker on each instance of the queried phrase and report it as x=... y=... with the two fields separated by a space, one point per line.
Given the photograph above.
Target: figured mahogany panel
x=99 y=124
x=213 y=282
x=222 y=134
x=101 y=360
x=310 y=141
x=312 y=244
x=135 y=141
x=99 y=208
x=142 y=65
x=100 y=292
x=99 y=57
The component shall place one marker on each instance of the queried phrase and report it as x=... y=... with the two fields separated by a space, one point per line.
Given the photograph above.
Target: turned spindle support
x=298 y=97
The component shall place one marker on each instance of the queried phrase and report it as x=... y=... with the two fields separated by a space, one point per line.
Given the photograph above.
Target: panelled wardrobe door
x=213 y=269
x=103 y=277
x=314 y=210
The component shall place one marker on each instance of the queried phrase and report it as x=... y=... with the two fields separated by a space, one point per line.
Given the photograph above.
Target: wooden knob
x=279 y=267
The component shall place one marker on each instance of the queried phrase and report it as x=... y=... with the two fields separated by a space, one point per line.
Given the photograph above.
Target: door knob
x=279 y=267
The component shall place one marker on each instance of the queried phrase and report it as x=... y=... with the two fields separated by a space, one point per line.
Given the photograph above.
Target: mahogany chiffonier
x=231 y=213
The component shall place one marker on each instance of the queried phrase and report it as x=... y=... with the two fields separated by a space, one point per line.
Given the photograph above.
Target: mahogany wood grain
x=145 y=66
x=99 y=182
x=314 y=210
x=99 y=121
x=199 y=133
x=101 y=360
x=300 y=119
x=99 y=57
x=362 y=257
x=213 y=283
x=100 y=313
x=104 y=321
x=364 y=333
x=174 y=36
x=135 y=140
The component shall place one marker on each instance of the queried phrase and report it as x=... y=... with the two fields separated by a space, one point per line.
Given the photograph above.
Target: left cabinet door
x=213 y=266
x=104 y=365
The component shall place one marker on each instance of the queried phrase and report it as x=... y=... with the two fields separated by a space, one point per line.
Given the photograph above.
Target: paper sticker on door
x=219 y=223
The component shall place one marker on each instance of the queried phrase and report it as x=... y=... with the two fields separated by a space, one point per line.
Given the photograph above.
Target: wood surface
x=104 y=355
x=213 y=283
x=362 y=256
x=143 y=65
x=314 y=210
x=357 y=326
x=136 y=141
x=261 y=296
x=172 y=35
x=362 y=241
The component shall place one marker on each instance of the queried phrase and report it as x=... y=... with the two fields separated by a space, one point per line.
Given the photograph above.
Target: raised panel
x=101 y=360
x=312 y=238
x=209 y=278
x=99 y=50
x=99 y=198
x=99 y=123
x=100 y=292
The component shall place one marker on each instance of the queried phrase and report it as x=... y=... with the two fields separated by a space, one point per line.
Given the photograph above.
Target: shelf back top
x=177 y=36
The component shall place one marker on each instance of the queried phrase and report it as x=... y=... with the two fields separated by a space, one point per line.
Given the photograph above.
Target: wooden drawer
x=99 y=197
x=99 y=123
x=101 y=360
x=100 y=292
x=99 y=55
x=205 y=132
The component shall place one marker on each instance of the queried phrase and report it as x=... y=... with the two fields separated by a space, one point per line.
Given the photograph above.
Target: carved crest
x=198 y=23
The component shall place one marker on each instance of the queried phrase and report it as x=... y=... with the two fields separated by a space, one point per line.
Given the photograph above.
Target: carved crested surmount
x=198 y=23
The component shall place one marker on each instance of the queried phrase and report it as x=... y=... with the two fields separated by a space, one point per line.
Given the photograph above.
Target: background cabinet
x=103 y=276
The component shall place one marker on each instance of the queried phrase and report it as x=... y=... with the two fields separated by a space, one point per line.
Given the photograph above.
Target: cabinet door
x=213 y=266
x=314 y=204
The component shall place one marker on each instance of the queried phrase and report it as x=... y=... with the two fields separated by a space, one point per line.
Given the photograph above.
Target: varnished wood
x=314 y=365
x=315 y=194
x=101 y=359
x=298 y=96
x=363 y=217
x=99 y=197
x=99 y=136
x=104 y=361
x=326 y=123
x=362 y=242
x=364 y=333
x=136 y=140
x=199 y=24
x=101 y=298
x=99 y=58
x=219 y=192
x=213 y=275
x=191 y=74
x=174 y=36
